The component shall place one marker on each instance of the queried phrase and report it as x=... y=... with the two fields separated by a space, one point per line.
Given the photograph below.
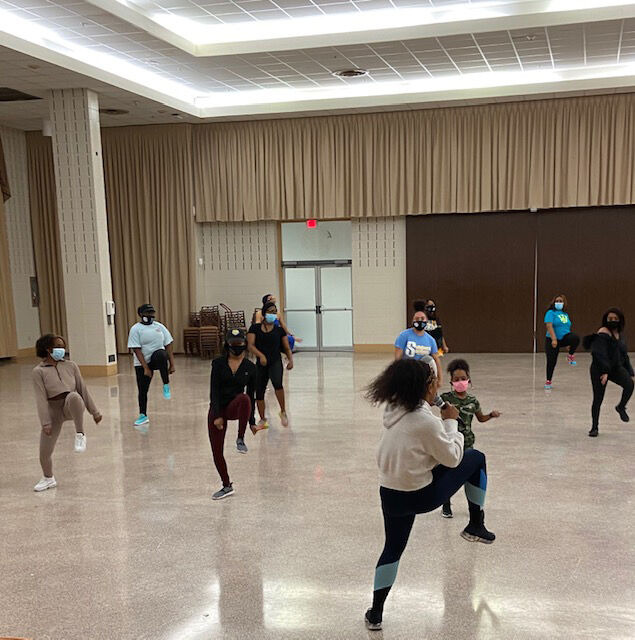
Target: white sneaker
x=80 y=442
x=45 y=483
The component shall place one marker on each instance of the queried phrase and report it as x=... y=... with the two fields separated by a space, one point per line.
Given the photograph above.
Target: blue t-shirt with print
x=560 y=321
x=415 y=346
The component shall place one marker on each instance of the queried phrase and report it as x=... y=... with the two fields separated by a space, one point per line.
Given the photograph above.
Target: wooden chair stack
x=192 y=334
x=210 y=331
x=203 y=336
x=233 y=320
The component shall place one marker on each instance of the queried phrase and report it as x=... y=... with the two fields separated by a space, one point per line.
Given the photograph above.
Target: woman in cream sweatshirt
x=60 y=394
x=421 y=466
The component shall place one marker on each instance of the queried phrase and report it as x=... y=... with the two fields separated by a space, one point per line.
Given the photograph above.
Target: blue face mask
x=271 y=317
x=58 y=354
x=559 y=306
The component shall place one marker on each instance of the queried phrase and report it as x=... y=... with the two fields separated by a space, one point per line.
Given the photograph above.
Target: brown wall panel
x=480 y=271
x=589 y=255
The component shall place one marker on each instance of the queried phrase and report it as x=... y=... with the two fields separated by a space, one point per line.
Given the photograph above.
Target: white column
x=81 y=208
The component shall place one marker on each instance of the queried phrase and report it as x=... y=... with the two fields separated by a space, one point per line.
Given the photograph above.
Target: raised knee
x=75 y=398
x=476 y=455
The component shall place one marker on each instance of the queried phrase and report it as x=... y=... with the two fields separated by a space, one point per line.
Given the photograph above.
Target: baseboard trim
x=373 y=348
x=27 y=352
x=98 y=370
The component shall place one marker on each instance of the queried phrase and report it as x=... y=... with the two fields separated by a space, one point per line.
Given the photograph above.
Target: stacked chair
x=207 y=328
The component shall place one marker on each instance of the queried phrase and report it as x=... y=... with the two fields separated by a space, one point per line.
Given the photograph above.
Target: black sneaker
x=372 y=622
x=594 y=432
x=623 y=415
x=476 y=531
x=446 y=511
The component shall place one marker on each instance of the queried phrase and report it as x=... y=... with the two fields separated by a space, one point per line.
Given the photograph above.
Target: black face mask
x=147 y=319
x=419 y=325
x=431 y=309
x=236 y=349
x=613 y=325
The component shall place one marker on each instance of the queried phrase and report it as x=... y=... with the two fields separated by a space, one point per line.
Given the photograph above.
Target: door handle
x=318 y=309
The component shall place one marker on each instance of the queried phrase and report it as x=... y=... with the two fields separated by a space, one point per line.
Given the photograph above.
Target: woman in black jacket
x=610 y=362
x=232 y=387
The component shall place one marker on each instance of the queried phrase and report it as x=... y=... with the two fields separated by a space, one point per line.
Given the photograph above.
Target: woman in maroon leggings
x=232 y=373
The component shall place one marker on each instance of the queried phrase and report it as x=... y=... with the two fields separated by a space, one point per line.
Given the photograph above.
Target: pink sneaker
x=548 y=385
x=571 y=359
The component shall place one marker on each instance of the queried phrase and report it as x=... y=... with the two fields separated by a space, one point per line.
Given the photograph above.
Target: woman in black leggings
x=421 y=466
x=610 y=362
x=266 y=340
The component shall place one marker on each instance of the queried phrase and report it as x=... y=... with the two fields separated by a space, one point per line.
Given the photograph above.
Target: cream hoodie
x=412 y=444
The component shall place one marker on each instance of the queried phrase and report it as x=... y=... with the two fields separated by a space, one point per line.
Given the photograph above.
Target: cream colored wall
x=379 y=280
x=237 y=263
x=20 y=241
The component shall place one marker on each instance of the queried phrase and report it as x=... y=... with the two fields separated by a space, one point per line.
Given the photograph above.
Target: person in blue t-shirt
x=559 y=335
x=417 y=344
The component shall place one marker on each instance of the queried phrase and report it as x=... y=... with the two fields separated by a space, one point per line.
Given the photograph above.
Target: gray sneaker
x=241 y=446
x=223 y=493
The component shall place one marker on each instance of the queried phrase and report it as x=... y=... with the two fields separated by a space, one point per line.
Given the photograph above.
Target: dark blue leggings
x=400 y=508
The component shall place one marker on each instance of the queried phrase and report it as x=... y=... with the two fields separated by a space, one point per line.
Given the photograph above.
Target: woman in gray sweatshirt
x=421 y=465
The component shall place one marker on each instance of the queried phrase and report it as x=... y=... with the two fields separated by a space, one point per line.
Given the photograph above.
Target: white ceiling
x=74 y=43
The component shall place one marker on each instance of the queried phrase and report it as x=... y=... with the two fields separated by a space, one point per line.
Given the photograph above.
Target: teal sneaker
x=166 y=391
x=141 y=423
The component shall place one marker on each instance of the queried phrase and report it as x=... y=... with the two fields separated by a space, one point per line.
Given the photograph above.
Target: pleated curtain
x=8 y=337
x=148 y=179
x=501 y=157
x=46 y=234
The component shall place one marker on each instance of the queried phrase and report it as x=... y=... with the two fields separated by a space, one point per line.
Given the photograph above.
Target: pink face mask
x=461 y=385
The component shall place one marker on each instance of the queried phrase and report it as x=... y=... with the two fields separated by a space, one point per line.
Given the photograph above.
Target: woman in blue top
x=416 y=343
x=559 y=334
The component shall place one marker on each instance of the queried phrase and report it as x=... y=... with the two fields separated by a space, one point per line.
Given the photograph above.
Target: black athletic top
x=225 y=385
x=268 y=342
x=608 y=352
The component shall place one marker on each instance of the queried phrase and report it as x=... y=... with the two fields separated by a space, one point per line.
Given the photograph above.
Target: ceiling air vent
x=113 y=112
x=13 y=95
x=350 y=73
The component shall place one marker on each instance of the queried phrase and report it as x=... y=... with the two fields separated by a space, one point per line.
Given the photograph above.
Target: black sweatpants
x=571 y=340
x=159 y=361
x=619 y=376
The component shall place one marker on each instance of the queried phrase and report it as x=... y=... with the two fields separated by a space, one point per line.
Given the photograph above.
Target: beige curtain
x=46 y=234
x=8 y=336
x=545 y=154
x=148 y=178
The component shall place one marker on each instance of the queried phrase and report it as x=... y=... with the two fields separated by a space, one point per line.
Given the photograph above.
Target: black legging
x=400 y=507
x=618 y=375
x=571 y=340
x=158 y=362
x=271 y=371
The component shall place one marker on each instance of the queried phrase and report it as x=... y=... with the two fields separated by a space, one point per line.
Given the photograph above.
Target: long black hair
x=403 y=383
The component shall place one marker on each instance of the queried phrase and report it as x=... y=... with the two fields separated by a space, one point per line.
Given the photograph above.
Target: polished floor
x=131 y=546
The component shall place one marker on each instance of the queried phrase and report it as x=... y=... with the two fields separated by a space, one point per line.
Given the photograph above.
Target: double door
x=318 y=305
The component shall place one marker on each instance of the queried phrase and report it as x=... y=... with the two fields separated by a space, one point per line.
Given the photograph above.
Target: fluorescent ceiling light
x=424 y=89
x=38 y=35
x=358 y=27
x=355 y=21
